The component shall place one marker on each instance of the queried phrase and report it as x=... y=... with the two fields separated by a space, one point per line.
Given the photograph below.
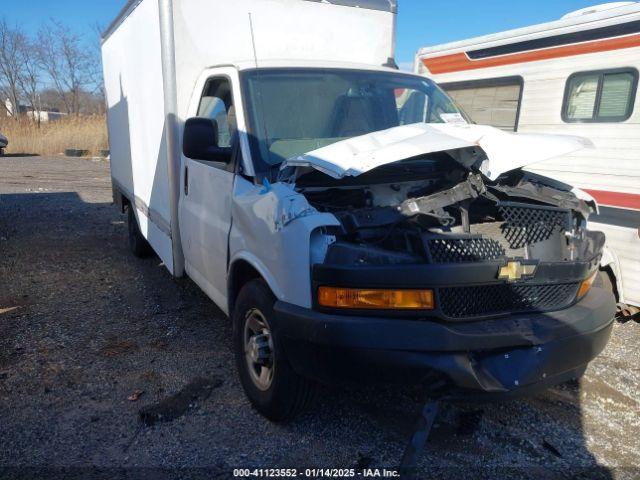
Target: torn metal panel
x=434 y=204
x=499 y=152
x=357 y=155
x=272 y=230
x=543 y=193
x=558 y=185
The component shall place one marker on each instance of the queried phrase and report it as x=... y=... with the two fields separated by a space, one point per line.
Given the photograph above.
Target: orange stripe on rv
x=616 y=199
x=458 y=62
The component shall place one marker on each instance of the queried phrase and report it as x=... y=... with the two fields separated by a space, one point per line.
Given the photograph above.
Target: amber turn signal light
x=356 y=298
x=586 y=285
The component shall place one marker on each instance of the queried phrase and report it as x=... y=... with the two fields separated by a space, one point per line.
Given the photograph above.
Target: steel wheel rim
x=258 y=349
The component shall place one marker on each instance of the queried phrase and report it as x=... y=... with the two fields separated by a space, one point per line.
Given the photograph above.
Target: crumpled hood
x=504 y=151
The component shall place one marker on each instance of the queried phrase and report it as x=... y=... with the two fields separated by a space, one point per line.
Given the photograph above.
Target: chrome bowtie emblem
x=513 y=271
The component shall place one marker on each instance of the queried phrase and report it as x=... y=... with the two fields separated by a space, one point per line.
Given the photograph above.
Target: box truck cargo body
x=155 y=52
x=346 y=215
x=576 y=75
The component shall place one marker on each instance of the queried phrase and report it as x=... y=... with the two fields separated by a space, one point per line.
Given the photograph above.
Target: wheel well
x=241 y=273
x=608 y=271
x=120 y=200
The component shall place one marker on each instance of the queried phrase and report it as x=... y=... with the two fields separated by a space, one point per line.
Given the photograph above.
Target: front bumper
x=512 y=354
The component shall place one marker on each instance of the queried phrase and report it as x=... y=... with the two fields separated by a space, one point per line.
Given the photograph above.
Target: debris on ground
x=196 y=392
x=135 y=396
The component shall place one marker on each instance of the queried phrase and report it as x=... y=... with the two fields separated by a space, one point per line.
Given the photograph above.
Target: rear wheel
x=137 y=243
x=271 y=385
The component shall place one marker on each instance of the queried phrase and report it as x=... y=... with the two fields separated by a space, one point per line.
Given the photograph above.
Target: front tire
x=137 y=243
x=271 y=385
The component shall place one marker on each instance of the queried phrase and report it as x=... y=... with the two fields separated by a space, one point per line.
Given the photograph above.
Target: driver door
x=205 y=204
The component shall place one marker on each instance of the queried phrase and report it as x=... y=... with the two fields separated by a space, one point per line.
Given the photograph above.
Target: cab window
x=217 y=103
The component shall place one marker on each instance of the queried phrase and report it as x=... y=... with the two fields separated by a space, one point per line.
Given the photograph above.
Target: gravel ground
x=84 y=326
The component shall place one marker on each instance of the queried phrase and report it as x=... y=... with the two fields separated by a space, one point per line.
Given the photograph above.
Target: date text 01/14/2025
x=315 y=473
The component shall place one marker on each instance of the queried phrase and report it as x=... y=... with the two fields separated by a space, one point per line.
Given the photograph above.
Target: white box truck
x=345 y=215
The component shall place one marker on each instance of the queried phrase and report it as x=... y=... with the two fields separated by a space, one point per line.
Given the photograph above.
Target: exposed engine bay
x=433 y=210
x=450 y=215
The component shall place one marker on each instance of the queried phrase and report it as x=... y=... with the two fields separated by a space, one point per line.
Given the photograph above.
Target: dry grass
x=52 y=138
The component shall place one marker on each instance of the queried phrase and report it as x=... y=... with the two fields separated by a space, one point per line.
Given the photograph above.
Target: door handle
x=186 y=180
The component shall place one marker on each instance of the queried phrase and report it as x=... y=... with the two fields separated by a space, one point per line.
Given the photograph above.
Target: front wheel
x=271 y=385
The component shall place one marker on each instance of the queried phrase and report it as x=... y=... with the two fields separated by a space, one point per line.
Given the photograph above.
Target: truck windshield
x=294 y=111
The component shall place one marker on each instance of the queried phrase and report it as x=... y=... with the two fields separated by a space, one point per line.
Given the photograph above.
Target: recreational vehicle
x=347 y=217
x=578 y=76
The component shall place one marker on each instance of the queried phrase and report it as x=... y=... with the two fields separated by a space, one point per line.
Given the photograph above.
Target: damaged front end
x=489 y=248
x=509 y=264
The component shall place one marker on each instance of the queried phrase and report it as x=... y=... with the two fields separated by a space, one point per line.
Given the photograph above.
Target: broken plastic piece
x=135 y=396
x=413 y=451
x=434 y=204
x=266 y=187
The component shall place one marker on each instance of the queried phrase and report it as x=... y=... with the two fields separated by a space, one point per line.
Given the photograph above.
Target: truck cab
x=350 y=220
x=378 y=269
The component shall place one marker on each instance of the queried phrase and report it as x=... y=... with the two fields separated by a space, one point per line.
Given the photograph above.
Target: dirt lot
x=84 y=326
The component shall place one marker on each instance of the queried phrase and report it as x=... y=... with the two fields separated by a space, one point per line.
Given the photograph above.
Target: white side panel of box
x=217 y=32
x=136 y=116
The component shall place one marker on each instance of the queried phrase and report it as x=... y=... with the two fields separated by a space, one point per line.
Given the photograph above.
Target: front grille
x=527 y=224
x=466 y=302
x=523 y=225
x=459 y=250
x=494 y=231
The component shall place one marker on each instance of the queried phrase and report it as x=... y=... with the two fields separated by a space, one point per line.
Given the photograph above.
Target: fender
x=264 y=272
x=610 y=260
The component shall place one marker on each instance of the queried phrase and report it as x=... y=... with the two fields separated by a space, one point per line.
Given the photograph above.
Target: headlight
x=356 y=298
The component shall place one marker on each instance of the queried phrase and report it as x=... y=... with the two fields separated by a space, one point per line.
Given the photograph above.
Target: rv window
x=616 y=93
x=603 y=96
x=494 y=102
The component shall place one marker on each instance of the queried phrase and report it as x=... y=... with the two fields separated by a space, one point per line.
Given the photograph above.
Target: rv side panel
x=540 y=111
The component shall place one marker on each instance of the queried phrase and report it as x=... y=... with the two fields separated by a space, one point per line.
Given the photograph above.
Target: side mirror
x=200 y=141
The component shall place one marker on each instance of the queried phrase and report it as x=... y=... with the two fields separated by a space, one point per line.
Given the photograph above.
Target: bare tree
x=67 y=63
x=29 y=81
x=50 y=99
x=12 y=69
x=98 y=93
x=70 y=64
